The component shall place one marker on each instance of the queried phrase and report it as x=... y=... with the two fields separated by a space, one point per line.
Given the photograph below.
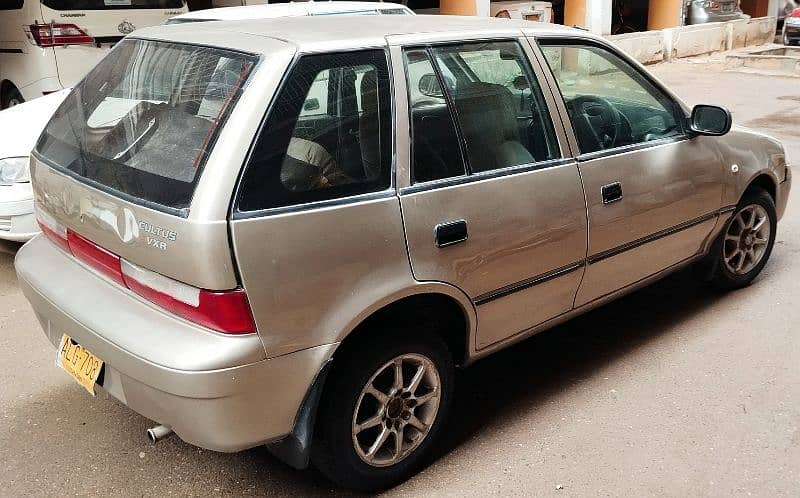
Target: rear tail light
x=226 y=311
x=52 y=229
x=107 y=263
x=503 y=14
x=54 y=35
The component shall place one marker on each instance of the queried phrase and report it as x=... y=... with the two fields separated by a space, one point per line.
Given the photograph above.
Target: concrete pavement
x=674 y=390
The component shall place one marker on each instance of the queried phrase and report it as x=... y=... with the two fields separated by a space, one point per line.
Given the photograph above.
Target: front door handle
x=452 y=232
x=611 y=192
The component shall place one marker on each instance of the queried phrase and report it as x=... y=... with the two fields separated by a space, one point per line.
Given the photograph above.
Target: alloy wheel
x=396 y=410
x=747 y=239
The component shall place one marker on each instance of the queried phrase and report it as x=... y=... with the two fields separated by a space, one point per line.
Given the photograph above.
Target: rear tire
x=745 y=245
x=353 y=421
x=11 y=97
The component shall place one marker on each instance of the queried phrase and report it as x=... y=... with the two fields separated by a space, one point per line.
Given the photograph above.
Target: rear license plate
x=82 y=365
x=533 y=17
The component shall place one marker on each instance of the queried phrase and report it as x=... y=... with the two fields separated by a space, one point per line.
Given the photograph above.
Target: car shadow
x=526 y=375
x=518 y=379
x=8 y=248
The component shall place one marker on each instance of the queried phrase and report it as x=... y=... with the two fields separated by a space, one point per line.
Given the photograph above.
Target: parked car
x=791 y=28
x=48 y=45
x=245 y=268
x=703 y=11
x=530 y=11
x=785 y=8
x=19 y=129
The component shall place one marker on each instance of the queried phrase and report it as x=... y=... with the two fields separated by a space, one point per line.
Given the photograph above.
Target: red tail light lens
x=95 y=256
x=227 y=311
x=503 y=14
x=224 y=311
x=53 y=230
x=54 y=35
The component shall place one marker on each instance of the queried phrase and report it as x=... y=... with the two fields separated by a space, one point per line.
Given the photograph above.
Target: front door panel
x=670 y=197
x=652 y=193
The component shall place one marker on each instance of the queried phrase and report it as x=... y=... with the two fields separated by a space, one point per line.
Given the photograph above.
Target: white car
x=47 y=45
x=294 y=9
x=20 y=126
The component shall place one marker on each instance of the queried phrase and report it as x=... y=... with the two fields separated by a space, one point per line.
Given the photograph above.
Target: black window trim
x=560 y=41
x=469 y=176
x=234 y=213
x=486 y=175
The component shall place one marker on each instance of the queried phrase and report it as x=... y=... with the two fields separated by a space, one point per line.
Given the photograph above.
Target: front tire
x=746 y=243
x=383 y=409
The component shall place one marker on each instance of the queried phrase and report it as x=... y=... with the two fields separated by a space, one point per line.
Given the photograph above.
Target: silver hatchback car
x=291 y=232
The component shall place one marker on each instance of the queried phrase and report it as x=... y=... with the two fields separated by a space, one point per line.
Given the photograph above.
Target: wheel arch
x=446 y=306
x=455 y=312
x=764 y=181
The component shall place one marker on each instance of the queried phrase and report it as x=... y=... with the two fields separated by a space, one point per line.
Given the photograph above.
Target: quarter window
x=328 y=134
x=609 y=102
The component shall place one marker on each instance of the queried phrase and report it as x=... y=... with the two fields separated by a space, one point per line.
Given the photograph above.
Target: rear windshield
x=112 y=4
x=144 y=120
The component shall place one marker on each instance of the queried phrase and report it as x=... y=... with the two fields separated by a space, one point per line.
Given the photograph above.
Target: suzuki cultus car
x=291 y=232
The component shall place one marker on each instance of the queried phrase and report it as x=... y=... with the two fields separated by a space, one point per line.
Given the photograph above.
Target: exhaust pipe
x=157 y=433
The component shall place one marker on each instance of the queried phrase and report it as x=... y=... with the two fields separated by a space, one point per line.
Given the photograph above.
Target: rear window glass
x=144 y=120
x=112 y=4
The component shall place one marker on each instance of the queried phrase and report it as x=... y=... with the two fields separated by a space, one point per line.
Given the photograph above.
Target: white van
x=47 y=45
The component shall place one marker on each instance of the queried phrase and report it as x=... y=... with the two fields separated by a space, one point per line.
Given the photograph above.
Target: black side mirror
x=311 y=104
x=710 y=120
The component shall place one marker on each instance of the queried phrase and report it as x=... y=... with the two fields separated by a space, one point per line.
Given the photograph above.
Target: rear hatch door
x=121 y=159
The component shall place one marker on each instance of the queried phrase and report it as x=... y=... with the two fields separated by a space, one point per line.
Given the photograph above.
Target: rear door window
x=476 y=107
x=327 y=136
x=143 y=122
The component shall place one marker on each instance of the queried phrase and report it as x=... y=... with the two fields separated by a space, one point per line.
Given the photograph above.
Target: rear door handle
x=450 y=233
x=611 y=192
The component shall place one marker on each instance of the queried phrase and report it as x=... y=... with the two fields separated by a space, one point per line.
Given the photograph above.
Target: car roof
x=317 y=33
x=268 y=11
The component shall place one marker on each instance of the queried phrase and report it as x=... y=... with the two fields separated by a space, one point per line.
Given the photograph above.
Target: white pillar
x=598 y=16
x=775 y=6
x=482 y=8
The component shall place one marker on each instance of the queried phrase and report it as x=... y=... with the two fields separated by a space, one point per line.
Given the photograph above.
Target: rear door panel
x=522 y=261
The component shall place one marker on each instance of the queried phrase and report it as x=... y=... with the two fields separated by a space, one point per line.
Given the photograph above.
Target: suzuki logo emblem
x=126 y=27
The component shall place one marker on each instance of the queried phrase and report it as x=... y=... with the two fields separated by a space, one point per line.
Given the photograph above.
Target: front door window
x=609 y=102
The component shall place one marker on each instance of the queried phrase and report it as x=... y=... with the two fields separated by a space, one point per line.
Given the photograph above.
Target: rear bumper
x=17 y=222
x=215 y=391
